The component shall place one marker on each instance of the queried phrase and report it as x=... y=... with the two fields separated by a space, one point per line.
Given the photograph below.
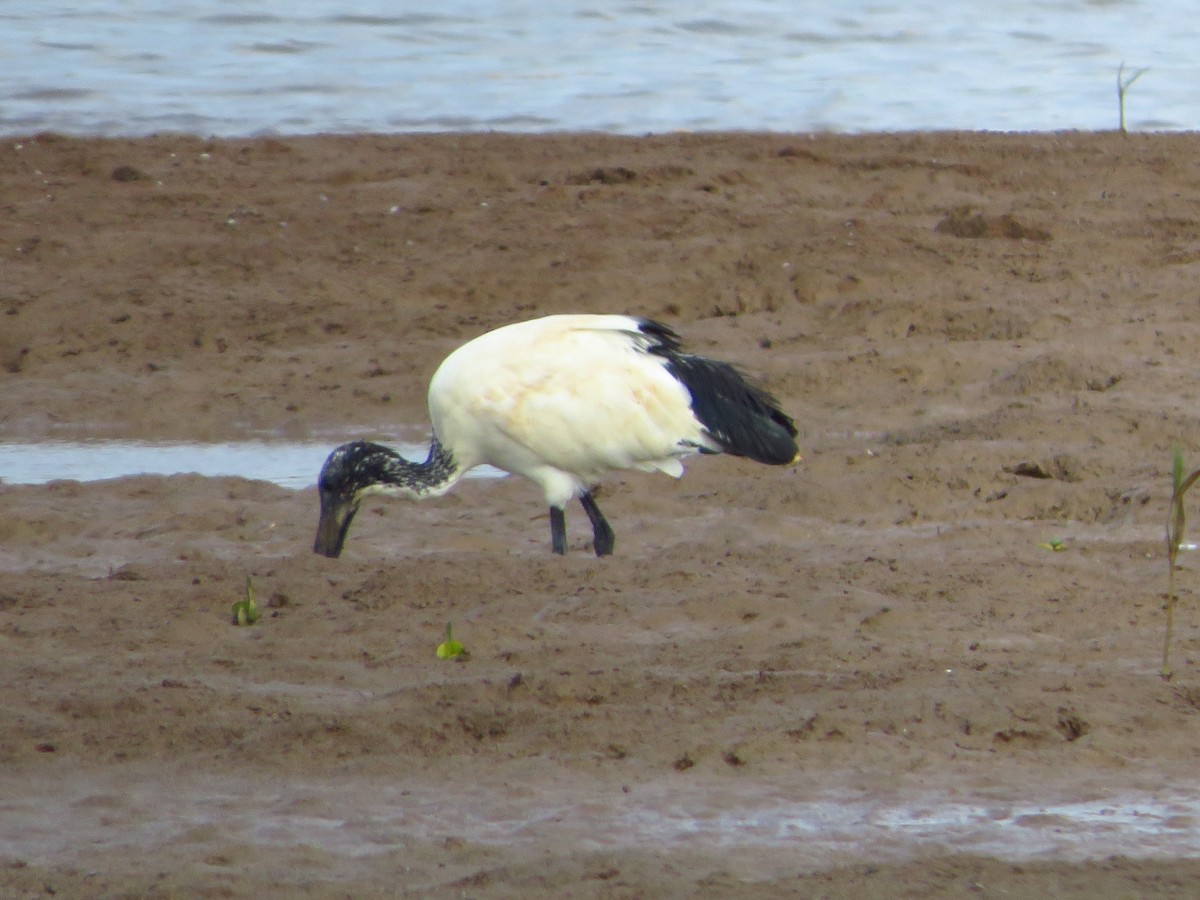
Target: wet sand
x=864 y=675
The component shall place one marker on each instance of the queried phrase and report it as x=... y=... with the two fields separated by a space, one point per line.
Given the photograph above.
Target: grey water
x=227 y=68
x=291 y=465
x=101 y=818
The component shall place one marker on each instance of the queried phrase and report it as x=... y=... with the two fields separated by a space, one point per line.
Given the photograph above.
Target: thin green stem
x=1176 y=527
x=1123 y=85
x=1166 y=663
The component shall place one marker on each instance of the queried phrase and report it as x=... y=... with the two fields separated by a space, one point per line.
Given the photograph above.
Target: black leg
x=603 y=537
x=558 y=530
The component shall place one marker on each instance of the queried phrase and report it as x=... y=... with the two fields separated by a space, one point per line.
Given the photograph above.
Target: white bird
x=564 y=400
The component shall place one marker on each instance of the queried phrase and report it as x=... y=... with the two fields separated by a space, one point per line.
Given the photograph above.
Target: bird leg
x=558 y=530
x=603 y=537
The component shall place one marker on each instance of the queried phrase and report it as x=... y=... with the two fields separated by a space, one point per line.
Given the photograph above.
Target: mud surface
x=865 y=675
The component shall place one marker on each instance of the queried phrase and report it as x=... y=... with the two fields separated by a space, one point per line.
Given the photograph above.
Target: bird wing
x=578 y=394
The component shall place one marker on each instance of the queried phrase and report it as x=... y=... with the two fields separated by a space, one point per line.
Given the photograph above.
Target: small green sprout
x=245 y=612
x=450 y=648
x=1123 y=86
x=1176 y=526
x=1055 y=544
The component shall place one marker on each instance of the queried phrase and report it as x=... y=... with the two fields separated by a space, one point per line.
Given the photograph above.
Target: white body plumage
x=564 y=400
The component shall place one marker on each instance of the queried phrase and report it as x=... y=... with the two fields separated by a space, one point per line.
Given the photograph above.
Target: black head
x=349 y=471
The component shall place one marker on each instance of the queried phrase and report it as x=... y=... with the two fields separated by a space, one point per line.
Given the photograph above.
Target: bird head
x=350 y=472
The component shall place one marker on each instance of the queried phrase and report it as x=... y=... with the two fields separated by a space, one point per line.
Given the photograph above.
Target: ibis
x=564 y=400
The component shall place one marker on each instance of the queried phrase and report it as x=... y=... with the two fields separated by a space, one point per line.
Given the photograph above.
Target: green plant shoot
x=245 y=612
x=449 y=648
x=1176 y=526
x=1123 y=85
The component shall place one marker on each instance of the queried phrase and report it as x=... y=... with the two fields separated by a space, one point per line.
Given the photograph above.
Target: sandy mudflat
x=861 y=676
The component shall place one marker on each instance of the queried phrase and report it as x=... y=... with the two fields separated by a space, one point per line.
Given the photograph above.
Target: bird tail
x=741 y=417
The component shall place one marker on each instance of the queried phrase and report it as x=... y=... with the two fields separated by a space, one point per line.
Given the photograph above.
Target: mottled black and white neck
x=361 y=468
x=374 y=468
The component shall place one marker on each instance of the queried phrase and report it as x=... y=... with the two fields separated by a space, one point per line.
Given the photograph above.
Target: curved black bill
x=334 y=525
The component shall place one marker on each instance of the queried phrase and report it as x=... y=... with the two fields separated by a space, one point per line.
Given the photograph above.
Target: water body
x=292 y=465
x=104 y=818
x=224 y=68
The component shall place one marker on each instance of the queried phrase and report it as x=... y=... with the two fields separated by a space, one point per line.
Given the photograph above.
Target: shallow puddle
x=80 y=820
x=291 y=465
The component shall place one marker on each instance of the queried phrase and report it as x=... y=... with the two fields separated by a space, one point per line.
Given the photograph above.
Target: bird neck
x=418 y=480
